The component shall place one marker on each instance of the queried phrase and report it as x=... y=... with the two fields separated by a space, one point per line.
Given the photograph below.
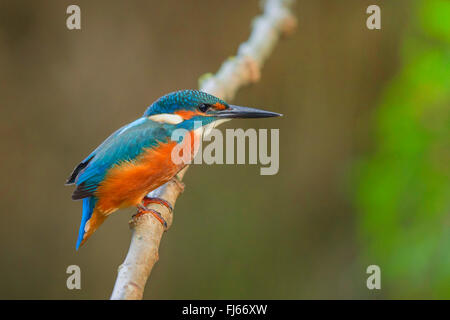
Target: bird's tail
x=90 y=220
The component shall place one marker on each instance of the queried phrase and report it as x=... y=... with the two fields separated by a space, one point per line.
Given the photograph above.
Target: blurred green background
x=364 y=149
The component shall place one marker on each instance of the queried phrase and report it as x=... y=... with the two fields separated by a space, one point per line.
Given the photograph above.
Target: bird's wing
x=123 y=145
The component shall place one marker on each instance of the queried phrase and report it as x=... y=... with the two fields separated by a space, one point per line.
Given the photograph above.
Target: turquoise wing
x=125 y=144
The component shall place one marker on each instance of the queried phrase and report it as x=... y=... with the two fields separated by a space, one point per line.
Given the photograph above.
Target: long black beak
x=244 y=112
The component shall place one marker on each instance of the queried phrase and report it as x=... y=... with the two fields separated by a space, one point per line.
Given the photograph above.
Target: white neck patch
x=167 y=118
x=206 y=130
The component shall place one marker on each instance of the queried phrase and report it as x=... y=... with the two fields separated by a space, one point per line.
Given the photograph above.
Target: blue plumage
x=88 y=208
x=123 y=145
x=126 y=144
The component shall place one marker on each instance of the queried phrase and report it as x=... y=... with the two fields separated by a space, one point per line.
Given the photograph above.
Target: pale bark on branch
x=234 y=73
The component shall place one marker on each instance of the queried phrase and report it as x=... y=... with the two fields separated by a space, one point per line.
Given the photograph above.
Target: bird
x=136 y=159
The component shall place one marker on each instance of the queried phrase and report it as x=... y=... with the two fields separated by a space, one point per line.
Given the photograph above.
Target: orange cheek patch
x=219 y=106
x=187 y=114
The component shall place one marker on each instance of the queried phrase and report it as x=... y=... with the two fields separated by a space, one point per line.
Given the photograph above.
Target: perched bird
x=136 y=159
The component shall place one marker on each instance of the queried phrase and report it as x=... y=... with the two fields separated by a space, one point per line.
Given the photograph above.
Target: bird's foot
x=156 y=214
x=148 y=200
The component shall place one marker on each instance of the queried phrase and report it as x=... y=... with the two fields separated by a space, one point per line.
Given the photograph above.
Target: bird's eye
x=204 y=107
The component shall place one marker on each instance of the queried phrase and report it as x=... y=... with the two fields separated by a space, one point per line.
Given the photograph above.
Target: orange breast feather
x=127 y=183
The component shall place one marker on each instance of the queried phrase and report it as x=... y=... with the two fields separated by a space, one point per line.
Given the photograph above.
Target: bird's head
x=185 y=107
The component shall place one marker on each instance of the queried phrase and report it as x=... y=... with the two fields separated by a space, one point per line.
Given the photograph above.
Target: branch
x=234 y=73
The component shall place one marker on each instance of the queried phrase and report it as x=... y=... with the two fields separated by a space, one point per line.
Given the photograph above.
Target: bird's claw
x=148 y=200
x=142 y=209
x=156 y=214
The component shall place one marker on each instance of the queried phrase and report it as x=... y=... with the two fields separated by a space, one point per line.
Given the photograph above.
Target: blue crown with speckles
x=181 y=100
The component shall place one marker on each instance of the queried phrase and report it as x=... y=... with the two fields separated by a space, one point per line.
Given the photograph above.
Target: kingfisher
x=136 y=159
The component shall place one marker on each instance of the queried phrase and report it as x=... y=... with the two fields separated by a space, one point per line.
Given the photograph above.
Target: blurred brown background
x=288 y=236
